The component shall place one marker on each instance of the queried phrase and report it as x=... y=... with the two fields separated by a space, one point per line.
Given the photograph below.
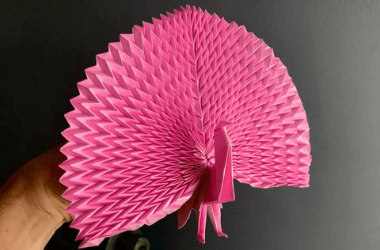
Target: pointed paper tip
x=182 y=218
x=222 y=124
x=201 y=238
x=221 y=234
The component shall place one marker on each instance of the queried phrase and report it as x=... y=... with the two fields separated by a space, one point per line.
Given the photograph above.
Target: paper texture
x=169 y=116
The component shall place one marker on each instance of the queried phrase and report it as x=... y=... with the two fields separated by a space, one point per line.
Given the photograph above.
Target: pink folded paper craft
x=169 y=116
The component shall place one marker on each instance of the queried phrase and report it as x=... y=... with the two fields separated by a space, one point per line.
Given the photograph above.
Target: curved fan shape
x=141 y=132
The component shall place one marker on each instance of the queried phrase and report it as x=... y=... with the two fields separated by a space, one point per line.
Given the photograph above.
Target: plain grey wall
x=332 y=51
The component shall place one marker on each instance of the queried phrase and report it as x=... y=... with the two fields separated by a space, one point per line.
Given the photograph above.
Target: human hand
x=31 y=206
x=43 y=189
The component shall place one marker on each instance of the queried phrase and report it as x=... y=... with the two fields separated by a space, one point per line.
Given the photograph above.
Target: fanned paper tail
x=142 y=128
x=215 y=188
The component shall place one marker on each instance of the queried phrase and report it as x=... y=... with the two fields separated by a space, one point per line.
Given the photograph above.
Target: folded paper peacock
x=170 y=116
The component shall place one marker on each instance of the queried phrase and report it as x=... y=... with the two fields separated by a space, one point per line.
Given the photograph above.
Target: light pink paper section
x=142 y=130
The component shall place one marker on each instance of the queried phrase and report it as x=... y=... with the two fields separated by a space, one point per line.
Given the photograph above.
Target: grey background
x=332 y=51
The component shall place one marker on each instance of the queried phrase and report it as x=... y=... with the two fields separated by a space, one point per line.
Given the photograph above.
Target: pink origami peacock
x=169 y=116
